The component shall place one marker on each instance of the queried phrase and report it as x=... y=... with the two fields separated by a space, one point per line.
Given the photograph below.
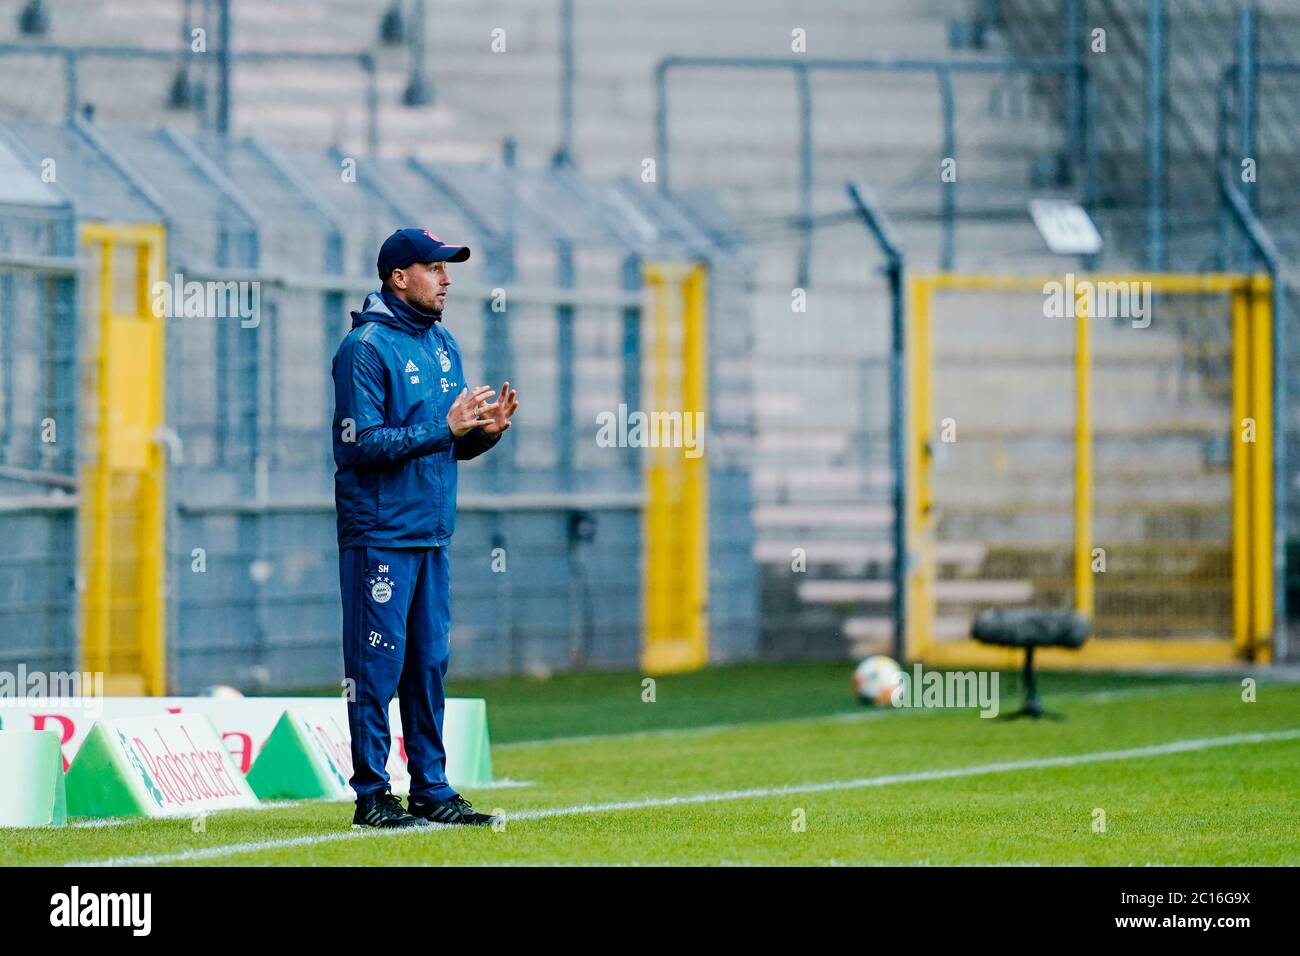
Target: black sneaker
x=455 y=809
x=383 y=810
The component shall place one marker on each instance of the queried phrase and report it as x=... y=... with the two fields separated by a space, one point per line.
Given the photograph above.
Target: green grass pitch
x=724 y=765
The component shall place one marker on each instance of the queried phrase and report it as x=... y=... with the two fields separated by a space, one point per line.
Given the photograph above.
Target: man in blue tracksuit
x=404 y=416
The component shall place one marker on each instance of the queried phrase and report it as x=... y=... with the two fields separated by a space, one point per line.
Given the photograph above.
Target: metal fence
x=38 y=425
x=552 y=299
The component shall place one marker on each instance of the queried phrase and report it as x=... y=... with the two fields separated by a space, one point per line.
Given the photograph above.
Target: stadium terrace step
x=858 y=553
x=946 y=591
x=969 y=492
x=1044 y=524
x=1128 y=561
x=882 y=628
x=859 y=517
x=1195 y=428
x=1211 y=599
x=803 y=441
x=777 y=480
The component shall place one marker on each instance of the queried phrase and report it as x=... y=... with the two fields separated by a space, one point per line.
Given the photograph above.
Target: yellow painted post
x=1242 y=455
x=153 y=477
x=1261 y=498
x=1084 y=591
x=920 y=475
x=675 y=524
x=657 y=523
x=695 y=389
x=124 y=625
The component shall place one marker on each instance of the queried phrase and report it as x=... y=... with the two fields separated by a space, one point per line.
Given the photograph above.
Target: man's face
x=423 y=285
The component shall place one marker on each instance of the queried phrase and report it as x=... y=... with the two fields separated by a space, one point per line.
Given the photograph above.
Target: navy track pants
x=397 y=638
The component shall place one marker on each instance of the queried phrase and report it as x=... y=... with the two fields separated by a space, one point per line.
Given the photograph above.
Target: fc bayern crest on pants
x=381 y=589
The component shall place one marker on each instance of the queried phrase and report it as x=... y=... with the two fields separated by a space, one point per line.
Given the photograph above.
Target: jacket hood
x=377 y=309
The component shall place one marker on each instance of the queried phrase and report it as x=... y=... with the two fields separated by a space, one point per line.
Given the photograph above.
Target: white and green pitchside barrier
x=31 y=780
x=173 y=765
x=158 y=756
x=309 y=755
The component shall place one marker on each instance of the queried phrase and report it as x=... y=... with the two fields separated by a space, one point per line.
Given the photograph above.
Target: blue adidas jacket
x=394 y=380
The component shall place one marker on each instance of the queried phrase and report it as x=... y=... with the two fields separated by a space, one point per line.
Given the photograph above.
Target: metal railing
x=1239 y=120
x=1167 y=118
x=73 y=56
x=943 y=70
x=891 y=247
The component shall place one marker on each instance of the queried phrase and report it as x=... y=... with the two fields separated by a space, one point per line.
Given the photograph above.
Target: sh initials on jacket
x=412 y=367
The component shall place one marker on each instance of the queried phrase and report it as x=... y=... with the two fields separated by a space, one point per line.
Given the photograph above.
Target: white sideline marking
x=861 y=783
x=505 y=783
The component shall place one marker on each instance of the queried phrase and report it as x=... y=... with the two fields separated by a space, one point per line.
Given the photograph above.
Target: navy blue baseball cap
x=416 y=245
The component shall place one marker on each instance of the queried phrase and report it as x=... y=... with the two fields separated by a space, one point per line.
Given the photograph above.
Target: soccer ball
x=875 y=680
x=220 y=691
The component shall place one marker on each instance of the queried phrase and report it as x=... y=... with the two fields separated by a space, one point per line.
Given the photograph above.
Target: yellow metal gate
x=123 y=480
x=1102 y=442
